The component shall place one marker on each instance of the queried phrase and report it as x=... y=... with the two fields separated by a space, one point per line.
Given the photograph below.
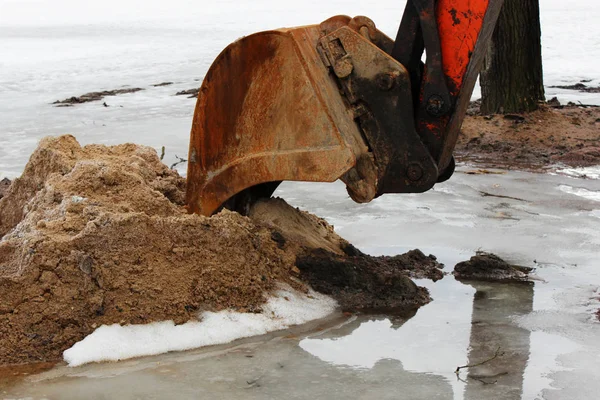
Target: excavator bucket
x=268 y=111
x=338 y=100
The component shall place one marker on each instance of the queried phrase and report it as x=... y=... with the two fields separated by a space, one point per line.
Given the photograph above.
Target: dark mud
x=93 y=96
x=162 y=84
x=360 y=282
x=490 y=267
x=191 y=93
x=579 y=87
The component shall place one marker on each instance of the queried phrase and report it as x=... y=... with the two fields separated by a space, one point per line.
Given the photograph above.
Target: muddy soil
x=162 y=84
x=191 y=93
x=567 y=134
x=580 y=87
x=362 y=282
x=489 y=267
x=94 y=96
x=99 y=235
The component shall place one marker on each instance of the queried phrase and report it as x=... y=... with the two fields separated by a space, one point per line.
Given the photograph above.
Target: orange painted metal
x=465 y=27
x=459 y=24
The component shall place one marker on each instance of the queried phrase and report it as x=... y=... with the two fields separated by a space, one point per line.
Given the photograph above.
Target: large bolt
x=385 y=81
x=414 y=172
x=435 y=105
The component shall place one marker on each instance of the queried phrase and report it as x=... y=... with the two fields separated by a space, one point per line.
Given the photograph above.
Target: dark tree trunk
x=512 y=79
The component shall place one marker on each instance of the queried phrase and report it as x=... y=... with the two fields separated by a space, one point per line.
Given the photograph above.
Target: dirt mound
x=553 y=134
x=99 y=235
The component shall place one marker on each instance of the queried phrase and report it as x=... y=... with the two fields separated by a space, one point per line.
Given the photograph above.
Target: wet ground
x=541 y=339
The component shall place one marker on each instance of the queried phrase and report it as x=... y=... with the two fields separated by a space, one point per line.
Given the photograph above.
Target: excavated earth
x=100 y=235
x=566 y=134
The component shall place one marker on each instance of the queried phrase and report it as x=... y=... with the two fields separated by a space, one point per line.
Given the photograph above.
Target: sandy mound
x=99 y=235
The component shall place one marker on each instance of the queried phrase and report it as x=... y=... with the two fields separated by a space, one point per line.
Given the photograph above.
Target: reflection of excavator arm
x=339 y=100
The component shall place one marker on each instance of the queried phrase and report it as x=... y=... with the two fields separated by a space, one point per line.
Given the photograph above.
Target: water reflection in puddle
x=415 y=343
x=466 y=324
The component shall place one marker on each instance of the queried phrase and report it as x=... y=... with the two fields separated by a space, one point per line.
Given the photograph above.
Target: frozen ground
x=547 y=332
x=52 y=50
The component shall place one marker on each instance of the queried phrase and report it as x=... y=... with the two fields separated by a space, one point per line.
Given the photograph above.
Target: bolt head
x=414 y=172
x=435 y=105
x=386 y=81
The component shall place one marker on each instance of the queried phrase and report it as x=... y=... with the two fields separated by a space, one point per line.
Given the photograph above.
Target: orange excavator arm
x=338 y=100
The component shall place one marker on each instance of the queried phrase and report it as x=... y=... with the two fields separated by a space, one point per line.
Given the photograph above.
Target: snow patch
x=581 y=192
x=115 y=342
x=585 y=172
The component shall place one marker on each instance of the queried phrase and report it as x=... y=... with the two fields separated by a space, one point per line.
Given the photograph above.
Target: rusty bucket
x=269 y=110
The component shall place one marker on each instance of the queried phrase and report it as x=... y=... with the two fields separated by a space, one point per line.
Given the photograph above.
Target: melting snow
x=115 y=342
x=585 y=172
x=581 y=192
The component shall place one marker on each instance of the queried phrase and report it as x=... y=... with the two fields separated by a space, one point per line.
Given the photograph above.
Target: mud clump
x=162 y=84
x=333 y=266
x=360 y=282
x=100 y=235
x=191 y=93
x=490 y=267
x=579 y=87
x=93 y=96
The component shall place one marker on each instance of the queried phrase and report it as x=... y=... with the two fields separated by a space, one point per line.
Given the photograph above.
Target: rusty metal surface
x=267 y=111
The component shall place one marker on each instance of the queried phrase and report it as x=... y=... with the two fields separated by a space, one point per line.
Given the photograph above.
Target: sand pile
x=99 y=235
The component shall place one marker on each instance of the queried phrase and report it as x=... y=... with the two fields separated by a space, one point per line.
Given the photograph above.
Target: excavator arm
x=338 y=100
